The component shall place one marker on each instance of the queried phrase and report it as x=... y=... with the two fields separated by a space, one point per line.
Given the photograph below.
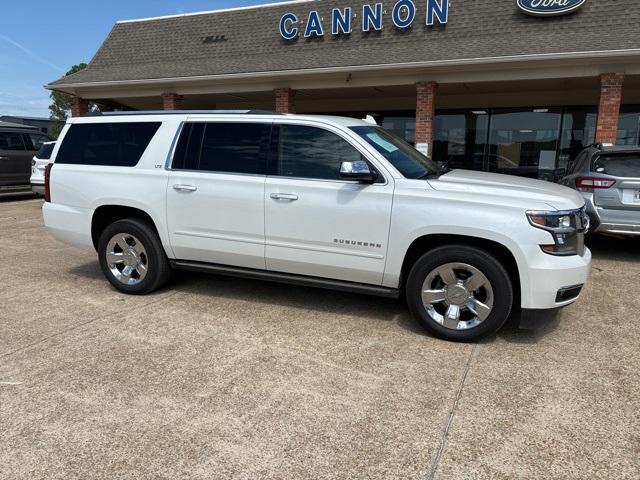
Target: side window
x=35 y=140
x=223 y=147
x=311 y=152
x=235 y=147
x=187 y=154
x=113 y=144
x=45 y=151
x=11 y=141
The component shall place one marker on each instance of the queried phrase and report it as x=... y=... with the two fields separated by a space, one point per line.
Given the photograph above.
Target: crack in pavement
x=452 y=412
x=82 y=324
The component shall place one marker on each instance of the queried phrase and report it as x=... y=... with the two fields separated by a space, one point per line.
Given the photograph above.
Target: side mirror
x=358 y=170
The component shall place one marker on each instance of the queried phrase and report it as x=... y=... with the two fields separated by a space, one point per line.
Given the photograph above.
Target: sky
x=41 y=39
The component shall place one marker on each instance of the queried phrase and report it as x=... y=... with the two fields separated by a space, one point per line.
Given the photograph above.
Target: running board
x=290 y=278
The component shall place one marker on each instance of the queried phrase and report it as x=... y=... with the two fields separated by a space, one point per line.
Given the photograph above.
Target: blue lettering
x=286 y=30
x=314 y=25
x=340 y=22
x=437 y=9
x=404 y=13
x=371 y=17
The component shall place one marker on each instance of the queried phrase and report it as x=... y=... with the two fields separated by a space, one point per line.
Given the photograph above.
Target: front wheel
x=132 y=258
x=459 y=292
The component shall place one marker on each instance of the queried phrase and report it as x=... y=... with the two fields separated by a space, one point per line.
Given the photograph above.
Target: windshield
x=406 y=159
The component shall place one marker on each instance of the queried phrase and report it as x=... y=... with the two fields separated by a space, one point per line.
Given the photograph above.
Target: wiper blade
x=444 y=169
x=428 y=175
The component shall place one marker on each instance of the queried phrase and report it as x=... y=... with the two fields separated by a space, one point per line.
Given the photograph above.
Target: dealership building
x=513 y=86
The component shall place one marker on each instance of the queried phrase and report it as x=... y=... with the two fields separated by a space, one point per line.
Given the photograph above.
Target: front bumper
x=552 y=282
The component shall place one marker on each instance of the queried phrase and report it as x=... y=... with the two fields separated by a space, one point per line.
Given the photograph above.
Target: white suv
x=320 y=201
x=38 y=163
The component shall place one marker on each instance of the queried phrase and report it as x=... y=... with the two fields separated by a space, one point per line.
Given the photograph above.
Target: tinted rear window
x=45 y=151
x=113 y=144
x=619 y=165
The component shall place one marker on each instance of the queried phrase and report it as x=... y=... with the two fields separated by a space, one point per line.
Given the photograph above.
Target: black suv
x=18 y=145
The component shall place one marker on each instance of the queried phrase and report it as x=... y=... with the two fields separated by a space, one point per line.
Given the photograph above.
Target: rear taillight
x=47 y=182
x=587 y=184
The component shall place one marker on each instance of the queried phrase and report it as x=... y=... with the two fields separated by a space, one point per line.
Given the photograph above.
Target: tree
x=60 y=107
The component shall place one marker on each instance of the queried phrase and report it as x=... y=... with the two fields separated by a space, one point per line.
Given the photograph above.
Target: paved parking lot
x=223 y=378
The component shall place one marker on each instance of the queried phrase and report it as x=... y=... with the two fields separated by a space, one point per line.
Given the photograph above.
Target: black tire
x=483 y=261
x=157 y=265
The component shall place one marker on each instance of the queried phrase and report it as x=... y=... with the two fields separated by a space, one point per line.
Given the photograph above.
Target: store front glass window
x=523 y=142
x=531 y=142
x=578 y=132
x=629 y=126
x=460 y=138
x=403 y=126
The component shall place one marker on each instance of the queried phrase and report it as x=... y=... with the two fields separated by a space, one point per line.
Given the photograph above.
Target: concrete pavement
x=225 y=378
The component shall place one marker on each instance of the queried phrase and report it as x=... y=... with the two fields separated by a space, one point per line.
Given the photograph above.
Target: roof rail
x=182 y=112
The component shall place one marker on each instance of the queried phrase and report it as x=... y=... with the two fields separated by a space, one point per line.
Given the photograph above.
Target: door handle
x=185 y=188
x=4 y=158
x=284 y=196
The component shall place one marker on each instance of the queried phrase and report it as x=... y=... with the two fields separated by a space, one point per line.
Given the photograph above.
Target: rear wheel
x=459 y=293
x=132 y=258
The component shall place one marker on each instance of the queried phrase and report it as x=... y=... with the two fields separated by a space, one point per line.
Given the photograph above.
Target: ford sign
x=547 y=8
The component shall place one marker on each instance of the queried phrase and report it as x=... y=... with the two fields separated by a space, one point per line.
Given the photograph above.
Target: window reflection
x=629 y=126
x=460 y=138
x=578 y=131
x=524 y=142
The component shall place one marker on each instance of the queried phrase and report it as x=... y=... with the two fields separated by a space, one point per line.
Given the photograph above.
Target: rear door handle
x=185 y=188
x=284 y=196
x=4 y=158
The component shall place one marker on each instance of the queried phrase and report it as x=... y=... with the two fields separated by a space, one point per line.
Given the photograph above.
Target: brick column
x=425 y=111
x=79 y=106
x=285 y=100
x=609 y=108
x=172 y=101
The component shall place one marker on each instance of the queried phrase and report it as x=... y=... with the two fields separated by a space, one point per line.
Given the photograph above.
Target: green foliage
x=60 y=108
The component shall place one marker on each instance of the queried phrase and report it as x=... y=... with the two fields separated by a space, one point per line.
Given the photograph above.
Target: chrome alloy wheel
x=457 y=296
x=127 y=259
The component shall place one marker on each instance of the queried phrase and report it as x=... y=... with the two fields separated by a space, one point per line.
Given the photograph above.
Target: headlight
x=567 y=229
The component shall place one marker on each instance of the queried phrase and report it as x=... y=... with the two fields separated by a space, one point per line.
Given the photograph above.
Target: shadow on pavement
x=607 y=247
x=528 y=326
x=13 y=197
x=521 y=327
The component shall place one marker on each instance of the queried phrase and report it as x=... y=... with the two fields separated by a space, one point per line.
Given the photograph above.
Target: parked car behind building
x=609 y=179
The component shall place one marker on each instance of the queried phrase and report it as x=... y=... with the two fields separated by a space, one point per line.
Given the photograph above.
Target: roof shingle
x=173 y=47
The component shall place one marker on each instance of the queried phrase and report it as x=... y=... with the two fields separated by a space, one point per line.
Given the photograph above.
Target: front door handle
x=4 y=158
x=284 y=196
x=185 y=188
